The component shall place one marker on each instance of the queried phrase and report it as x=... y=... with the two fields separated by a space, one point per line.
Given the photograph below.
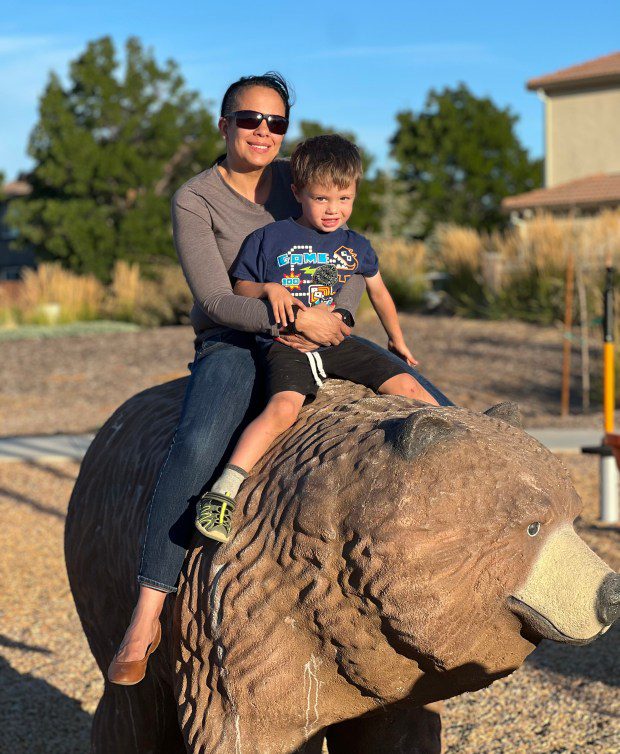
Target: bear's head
x=467 y=547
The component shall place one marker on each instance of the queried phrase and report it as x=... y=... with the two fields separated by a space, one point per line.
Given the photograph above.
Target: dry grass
x=601 y=238
x=544 y=242
x=547 y=242
x=397 y=255
x=51 y=294
x=403 y=264
x=537 y=248
x=458 y=248
x=125 y=289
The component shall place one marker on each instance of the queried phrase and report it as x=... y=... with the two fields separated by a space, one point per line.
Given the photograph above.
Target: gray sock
x=230 y=480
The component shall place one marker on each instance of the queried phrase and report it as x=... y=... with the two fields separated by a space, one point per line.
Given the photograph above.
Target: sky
x=353 y=65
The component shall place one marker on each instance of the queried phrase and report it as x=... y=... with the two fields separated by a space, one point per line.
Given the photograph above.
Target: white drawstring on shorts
x=316 y=364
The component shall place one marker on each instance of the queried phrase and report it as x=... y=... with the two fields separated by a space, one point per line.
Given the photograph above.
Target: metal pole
x=610 y=510
x=609 y=372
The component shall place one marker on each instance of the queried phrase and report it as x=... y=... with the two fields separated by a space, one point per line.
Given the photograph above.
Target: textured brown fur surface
x=368 y=575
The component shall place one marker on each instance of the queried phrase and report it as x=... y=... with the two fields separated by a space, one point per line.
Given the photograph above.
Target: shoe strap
x=215 y=497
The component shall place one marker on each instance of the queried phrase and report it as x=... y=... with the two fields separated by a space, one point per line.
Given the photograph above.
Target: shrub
x=403 y=268
x=458 y=251
x=519 y=274
x=51 y=294
x=159 y=297
x=165 y=298
x=124 y=292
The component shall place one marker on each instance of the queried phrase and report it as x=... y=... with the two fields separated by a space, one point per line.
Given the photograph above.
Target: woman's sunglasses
x=250 y=119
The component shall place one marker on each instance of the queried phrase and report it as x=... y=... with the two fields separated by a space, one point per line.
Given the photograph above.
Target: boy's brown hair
x=330 y=160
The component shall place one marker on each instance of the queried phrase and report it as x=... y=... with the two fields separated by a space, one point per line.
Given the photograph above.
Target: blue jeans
x=222 y=394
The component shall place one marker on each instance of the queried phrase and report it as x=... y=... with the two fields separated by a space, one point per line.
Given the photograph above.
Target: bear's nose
x=608 y=599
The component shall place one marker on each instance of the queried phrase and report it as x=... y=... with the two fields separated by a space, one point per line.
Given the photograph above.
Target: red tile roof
x=601 y=70
x=16 y=188
x=592 y=191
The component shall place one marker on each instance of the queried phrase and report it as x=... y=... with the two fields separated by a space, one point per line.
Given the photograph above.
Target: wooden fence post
x=567 y=344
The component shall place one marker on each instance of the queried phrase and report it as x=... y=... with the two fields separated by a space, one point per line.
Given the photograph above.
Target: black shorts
x=289 y=369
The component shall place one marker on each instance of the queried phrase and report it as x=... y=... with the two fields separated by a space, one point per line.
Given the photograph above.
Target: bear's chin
x=542 y=628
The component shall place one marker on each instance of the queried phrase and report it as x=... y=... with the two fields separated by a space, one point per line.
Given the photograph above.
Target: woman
x=212 y=214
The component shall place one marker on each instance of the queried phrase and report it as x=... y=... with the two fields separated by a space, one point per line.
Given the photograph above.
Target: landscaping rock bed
x=73 y=384
x=564 y=699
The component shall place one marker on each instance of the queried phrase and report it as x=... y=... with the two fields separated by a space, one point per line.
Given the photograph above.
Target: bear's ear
x=508 y=412
x=422 y=429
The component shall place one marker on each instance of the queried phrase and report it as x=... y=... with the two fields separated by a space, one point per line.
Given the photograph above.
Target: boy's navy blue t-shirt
x=312 y=265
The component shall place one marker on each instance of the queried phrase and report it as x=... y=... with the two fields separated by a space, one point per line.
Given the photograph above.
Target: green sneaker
x=214 y=516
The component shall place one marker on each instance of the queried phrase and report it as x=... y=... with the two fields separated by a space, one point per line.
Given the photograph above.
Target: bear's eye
x=533 y=529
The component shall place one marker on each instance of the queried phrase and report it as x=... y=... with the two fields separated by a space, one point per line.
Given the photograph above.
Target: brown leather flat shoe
x=132 y=672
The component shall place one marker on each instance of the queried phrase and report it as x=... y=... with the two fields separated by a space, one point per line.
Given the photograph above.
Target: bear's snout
x=608 y=599
x=570 y=594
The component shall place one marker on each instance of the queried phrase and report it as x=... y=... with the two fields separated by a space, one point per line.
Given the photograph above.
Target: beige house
x=582 y=140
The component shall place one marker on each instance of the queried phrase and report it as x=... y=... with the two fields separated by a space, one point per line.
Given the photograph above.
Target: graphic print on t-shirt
x=313 y=276
x=312 y=266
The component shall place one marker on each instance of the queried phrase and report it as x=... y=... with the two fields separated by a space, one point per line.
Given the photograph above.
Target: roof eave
x=589 y=82
x=506 y=206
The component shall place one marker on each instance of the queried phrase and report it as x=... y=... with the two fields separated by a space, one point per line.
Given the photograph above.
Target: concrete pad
x=44 y=448
x=567 y=440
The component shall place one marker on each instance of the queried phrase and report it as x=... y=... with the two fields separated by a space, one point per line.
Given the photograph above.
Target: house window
x=11 y=273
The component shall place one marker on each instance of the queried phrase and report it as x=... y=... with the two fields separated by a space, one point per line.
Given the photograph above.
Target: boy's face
x=325 y=208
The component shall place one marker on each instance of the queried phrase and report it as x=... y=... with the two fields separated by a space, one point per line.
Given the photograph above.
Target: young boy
x=296 y=264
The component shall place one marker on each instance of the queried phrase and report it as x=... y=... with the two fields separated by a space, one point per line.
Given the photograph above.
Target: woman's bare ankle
x=143 y=624
x=135 y=642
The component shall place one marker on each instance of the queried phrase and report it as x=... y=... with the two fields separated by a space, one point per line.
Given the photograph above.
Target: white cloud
x=16 y=44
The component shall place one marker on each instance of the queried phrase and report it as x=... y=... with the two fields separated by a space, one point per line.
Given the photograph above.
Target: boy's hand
x=282 y=302
x=400 y=349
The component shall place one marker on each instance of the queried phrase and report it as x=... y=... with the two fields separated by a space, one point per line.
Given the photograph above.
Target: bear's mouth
x=543 y=627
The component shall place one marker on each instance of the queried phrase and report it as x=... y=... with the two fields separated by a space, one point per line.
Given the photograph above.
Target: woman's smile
x=260 y=148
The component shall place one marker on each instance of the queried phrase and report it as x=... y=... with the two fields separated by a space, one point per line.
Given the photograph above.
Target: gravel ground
x=564 y=699
x=73 y=384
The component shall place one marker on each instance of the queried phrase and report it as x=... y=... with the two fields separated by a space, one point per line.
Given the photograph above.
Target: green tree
x=367 y=211
x=460 y=157
x=109 y=151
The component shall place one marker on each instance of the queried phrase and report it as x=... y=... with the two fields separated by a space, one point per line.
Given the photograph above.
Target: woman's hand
x=399 y=347
x=319 y=324
x=282 y=302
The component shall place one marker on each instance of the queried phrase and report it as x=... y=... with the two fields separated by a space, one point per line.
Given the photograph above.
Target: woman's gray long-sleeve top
x=210 y=222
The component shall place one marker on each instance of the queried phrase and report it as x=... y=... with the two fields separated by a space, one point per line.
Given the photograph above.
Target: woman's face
x=253 y=148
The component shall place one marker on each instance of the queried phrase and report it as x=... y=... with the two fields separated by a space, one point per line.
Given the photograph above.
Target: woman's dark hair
x=271 y=80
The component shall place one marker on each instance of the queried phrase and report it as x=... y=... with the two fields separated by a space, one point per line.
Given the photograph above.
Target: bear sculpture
x=386 y=556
